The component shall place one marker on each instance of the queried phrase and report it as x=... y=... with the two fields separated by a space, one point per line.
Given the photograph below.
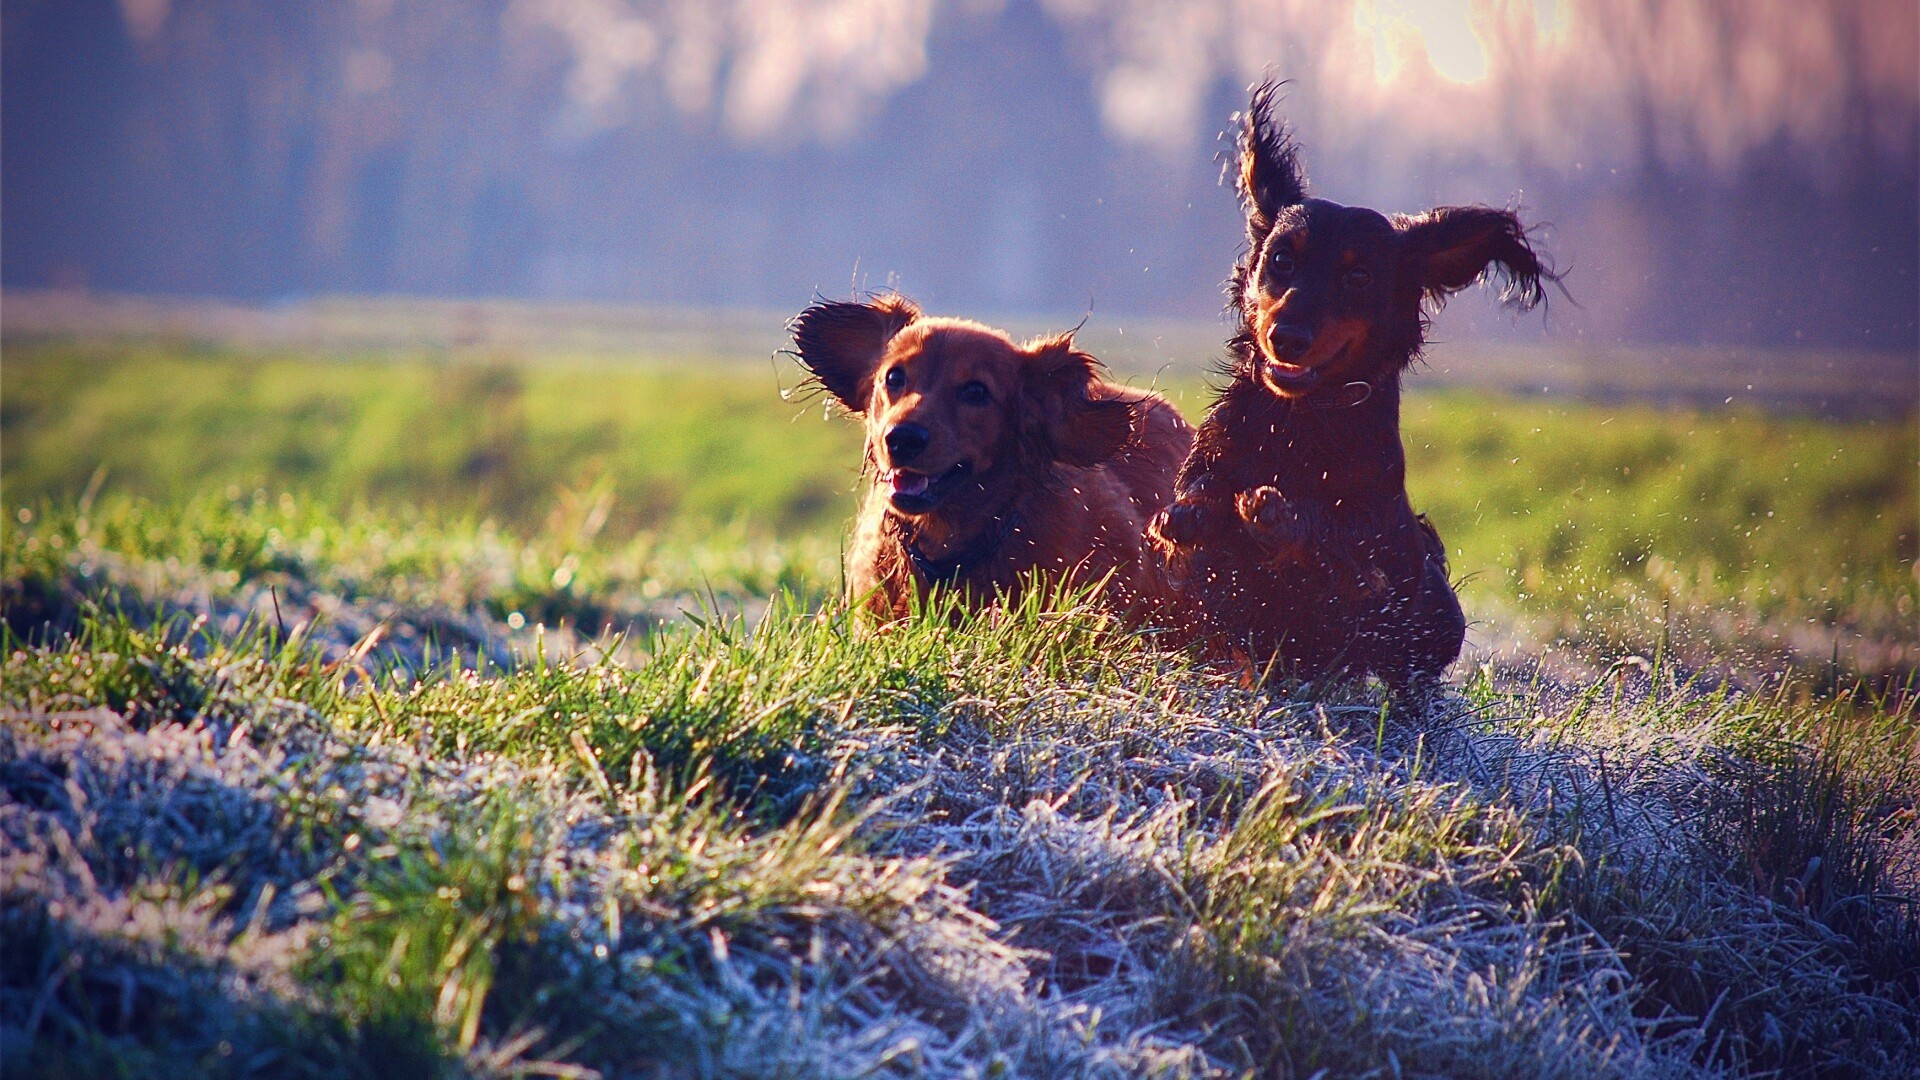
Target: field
x=468 y=710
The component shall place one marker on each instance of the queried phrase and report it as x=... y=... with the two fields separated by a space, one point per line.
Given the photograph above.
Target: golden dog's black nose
x=905 y=441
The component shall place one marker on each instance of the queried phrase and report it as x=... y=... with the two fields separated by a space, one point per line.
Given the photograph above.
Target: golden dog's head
x=958 y=415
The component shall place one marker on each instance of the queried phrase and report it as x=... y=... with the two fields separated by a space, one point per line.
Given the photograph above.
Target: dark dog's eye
x=1359 y=278
x=896 y=378
x=975 y=393
x=1281 y=262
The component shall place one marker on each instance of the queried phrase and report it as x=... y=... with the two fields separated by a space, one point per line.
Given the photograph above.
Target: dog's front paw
x=1268 y=512
x=1183 y=524
x=1269 y=517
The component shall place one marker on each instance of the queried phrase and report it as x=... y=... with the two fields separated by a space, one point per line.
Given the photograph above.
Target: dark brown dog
x=1291 y=536
x=991 y=460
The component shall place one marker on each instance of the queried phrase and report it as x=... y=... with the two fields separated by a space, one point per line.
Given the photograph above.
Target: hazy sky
x=1718 y=170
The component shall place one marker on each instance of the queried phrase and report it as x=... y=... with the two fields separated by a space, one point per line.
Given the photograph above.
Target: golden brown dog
x=991 y=460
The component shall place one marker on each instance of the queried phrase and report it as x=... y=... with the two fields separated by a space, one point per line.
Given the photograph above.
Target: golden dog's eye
x=1358 y=278
x=975 y=393
x=896 y=378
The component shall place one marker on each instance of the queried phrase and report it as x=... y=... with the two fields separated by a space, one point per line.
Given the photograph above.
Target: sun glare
x=1442 y=29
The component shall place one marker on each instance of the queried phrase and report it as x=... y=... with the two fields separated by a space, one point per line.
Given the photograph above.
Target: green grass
x=420 y=570
x=1729 y=533
x=441 y=717
x=1732 y=539
x=458 y=433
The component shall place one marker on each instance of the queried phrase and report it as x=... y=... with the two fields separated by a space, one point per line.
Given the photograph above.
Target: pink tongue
x=906 y=483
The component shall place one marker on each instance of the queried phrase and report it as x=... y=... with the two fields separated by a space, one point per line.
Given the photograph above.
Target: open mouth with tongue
x=918 y=492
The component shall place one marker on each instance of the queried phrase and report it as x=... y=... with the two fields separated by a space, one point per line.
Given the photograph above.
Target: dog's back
x=1147 y=465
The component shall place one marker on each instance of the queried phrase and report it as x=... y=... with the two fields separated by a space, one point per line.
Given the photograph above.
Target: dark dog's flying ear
x=1064 y=420
x=1449 y=248
x=1271 y=175
x=842 y=343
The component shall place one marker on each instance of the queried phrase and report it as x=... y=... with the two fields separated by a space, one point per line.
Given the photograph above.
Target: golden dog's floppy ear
x=1063 y=419
x=842 y=343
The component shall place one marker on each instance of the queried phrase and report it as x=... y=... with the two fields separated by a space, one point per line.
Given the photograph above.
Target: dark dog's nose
x=905 y=441
x=1289 y=343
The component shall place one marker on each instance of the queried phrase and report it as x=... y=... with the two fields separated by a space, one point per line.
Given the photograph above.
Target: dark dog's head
x=957 y=414
x=1330 y=294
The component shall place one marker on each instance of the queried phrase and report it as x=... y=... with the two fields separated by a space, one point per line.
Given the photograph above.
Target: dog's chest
x=1330 y=461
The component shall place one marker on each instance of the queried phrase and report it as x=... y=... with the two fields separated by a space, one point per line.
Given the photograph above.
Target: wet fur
x=1067 y=468
x=1291 y=538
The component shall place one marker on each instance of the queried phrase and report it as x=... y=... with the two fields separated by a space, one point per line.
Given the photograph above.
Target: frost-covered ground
x=385 y=831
